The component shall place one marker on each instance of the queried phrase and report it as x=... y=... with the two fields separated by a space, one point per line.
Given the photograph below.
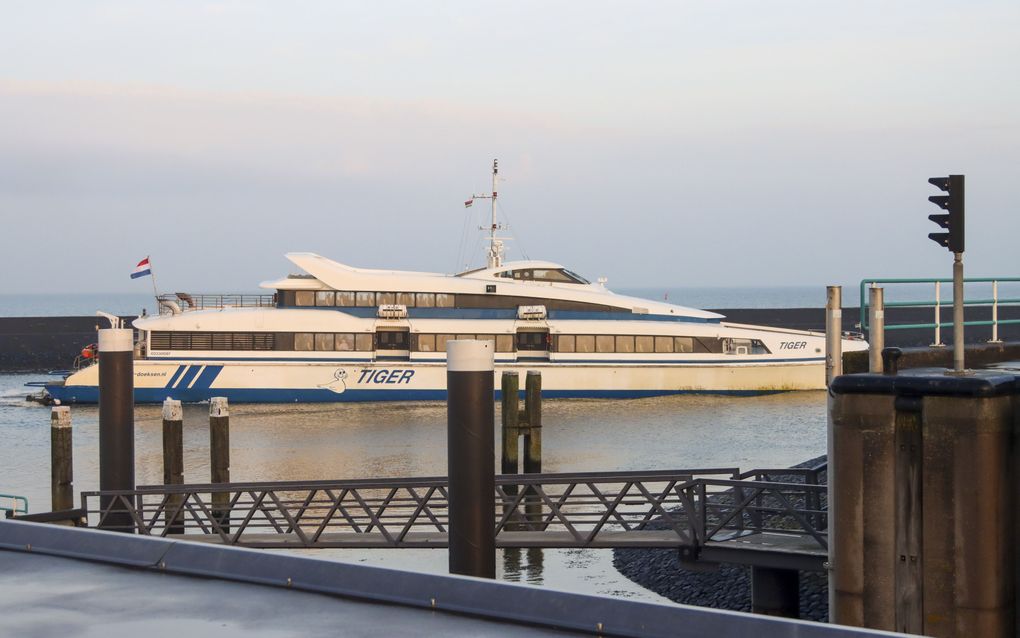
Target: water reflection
x=528 y=571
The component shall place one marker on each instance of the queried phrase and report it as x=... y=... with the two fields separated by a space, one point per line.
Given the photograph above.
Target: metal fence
x=995 y=302
x=185 y=302
x=675 y=508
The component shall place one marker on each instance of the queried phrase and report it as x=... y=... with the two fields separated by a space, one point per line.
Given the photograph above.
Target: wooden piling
x=61 y=465
x=510 y=420
x=533 y=412
x=173 y=460
x=219 y=456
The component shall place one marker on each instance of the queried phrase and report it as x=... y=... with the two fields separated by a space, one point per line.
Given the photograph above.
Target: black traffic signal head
x=952 y=220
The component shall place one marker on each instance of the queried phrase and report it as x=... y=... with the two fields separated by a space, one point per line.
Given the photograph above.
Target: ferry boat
x=338 y=333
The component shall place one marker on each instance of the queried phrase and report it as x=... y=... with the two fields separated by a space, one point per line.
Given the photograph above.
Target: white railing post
x=938 y=321
x=995 y=313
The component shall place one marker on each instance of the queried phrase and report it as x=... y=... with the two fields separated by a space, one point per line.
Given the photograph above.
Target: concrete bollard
x=470 y=457
x=116 y=423
x=61 y=460
x=925 y=490
x=876 y=329
x=219 y=457
x=173 y=460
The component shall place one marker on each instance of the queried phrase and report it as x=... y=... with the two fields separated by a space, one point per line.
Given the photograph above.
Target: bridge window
x=325 y=298
x=425 y=299
x=392 y=340
x=304 y=298
x=384 y=298
x=405 y=299
x=346 y=299
x=365 y=299
x=445 y=300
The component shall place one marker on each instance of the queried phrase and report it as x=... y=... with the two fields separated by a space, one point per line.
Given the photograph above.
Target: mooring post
x=61 y=464
x=219 y=457
x=876 y=329
x=470 y=457
x=775 y=592
x=510 y=419
x=116 y=424
x=533 y=410
x=173 y=459
x=833 y=333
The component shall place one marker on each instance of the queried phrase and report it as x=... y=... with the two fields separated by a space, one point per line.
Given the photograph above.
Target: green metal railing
x=10 y=503
x=938 y=303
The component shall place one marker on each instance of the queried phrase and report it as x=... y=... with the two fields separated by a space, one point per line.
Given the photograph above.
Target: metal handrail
x=995 y=301
x=12 y=506
x=188 y=302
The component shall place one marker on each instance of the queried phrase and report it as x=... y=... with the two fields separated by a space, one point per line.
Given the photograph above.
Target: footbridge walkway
x=771 y=518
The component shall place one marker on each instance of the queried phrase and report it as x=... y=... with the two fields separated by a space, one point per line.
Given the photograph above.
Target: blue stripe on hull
x=90 y=394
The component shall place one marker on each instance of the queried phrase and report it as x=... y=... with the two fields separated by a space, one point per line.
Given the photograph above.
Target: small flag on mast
x=142 y=269
x=468 y=203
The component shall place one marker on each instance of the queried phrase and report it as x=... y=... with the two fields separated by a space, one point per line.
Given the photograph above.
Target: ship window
x=425 y=299
x=441 y=342
x=544 y=274
x=304 y=298
x=180 y=341
x=683 y=344
x=222 y=341
x=201 y=341
x=758 y=347
x=532 y=341
x=644 y=344
x=565 y=343
x=263 y=341
x=303 y=341
x=345 y=299
x=605 y=343
x=664 y=344
x=324 y=341
x=625 y=343
x=708 y=344
x=391 y=340
x=444 y=300
x=504 y=343
x=465 y=337
x=283 y=341
x=159 y=340
x=344 y=341
x=386 y=298
x=523 y=274
x=578 y=279
x=325 y=298
x=405 y=299
x=363 y=342
x=586 y=343
x=426 y=343
x=365 y=299
x=243 y=341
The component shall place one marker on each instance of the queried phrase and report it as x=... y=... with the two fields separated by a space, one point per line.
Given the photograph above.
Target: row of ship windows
x=402 y=340
x=330 y=298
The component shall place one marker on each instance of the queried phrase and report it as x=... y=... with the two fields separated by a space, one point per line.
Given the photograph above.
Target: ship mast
x=495 y=252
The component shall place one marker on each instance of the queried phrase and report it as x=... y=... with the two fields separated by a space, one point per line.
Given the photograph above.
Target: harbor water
x=334 y=441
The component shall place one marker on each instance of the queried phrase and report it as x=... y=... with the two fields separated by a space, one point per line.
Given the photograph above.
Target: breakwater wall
x=38 y=344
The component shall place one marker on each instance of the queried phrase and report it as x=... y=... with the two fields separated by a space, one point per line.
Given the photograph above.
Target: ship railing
x=942 y=304
x=183 y=302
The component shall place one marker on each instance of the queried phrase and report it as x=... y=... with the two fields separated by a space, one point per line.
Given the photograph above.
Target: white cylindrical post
x=876 y=329
x=995 y=313
x=938 y=315
x=833 y=333
x=470 y=457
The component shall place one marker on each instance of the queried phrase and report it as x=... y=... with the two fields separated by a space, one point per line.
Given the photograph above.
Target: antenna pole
x=494 y=256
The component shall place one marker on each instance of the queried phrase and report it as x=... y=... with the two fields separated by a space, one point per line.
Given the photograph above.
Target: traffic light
x=952 y=220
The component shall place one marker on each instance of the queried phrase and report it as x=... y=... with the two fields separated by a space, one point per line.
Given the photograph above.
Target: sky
x=695 y=143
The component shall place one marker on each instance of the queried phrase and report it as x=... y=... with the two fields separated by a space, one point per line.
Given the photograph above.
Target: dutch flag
x=142 y=269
